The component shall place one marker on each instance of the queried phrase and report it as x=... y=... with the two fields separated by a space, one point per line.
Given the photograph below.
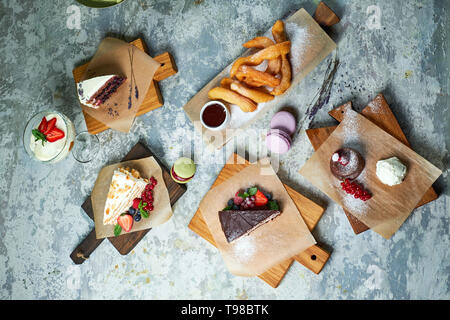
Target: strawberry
x=50 y=126
x=43 y=125
x=55 y=134
x=260 y=199
x=125 y=221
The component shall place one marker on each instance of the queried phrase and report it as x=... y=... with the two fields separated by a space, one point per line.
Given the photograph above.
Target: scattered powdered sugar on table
x=244 y=248
x=300 y=41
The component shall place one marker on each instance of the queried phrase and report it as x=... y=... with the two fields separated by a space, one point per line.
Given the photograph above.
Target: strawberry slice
x=260 y=199
x=54 y=135
x=125 y=221
x=43 y=125
x=50 y=126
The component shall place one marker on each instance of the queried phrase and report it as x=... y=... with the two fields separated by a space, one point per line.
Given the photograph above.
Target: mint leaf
x=39 y=136
x=227 y=208
x=273 y=205
x=144 y=213
x=243 y=195
x=252 y=191
x=117 y=230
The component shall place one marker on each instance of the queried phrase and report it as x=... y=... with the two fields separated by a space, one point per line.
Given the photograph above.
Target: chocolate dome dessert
x=346 y=163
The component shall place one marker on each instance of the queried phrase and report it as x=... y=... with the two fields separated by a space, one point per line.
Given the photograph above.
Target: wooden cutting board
x=314 y=258
x=126 y=242
x=153 y=99
x=379 y=112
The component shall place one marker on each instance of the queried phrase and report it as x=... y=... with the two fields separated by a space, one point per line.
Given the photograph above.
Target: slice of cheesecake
x=238 y=223
x=125 y=186
x=96 y=91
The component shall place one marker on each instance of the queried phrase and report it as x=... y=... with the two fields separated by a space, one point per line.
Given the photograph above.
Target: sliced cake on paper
x=96 y=91
x=125 y=187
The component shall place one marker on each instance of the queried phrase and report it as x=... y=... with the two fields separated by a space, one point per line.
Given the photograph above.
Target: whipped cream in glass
x=50 y=152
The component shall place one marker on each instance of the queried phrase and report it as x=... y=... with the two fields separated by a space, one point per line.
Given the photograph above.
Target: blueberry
x=132 y=211
x=137 y=217
x=268 y=196
x=235 y=207
x=230 y=202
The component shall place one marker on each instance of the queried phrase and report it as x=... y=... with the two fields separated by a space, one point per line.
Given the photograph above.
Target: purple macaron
x=278 y=141
x=282 y=126
x=284 y=121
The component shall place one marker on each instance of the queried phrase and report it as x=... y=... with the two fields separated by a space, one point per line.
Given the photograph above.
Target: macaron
x=284 y=121
x=183 y=170
x=278 y=141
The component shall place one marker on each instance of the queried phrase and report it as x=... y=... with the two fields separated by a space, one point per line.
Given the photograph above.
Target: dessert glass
x=86 y=147
x=64 y=147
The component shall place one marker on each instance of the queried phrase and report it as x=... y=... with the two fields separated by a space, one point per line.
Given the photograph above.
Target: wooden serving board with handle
x=153 y=99
x=379 y=112
x=126 y=242
x=314 y=258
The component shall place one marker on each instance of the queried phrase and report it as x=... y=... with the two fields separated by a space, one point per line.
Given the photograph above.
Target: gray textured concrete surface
x=41 y=221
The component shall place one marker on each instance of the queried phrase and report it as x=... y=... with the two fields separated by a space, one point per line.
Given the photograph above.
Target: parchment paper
x=147 y=167
x=271 y=243
x=389 y=206
x=115 y=56
x=304 y=57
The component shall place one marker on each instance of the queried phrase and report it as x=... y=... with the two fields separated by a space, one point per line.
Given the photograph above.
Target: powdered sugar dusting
x=244 y=249
x=300 y=41
x=354 y=205
x=375 y=105
x=351 y=127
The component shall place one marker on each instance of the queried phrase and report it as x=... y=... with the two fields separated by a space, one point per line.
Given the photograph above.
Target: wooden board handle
x=325 y=16
x=85 y=248
x=314 y=258
x=168 y=67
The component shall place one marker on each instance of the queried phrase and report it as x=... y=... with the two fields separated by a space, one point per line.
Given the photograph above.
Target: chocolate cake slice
x=237 y=223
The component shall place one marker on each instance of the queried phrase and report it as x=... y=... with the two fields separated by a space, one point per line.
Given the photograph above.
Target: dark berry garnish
x=137 y=217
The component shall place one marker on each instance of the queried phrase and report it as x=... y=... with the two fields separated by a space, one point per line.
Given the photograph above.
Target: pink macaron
x=282 y=126
x=284 y=121
x=278 y=141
